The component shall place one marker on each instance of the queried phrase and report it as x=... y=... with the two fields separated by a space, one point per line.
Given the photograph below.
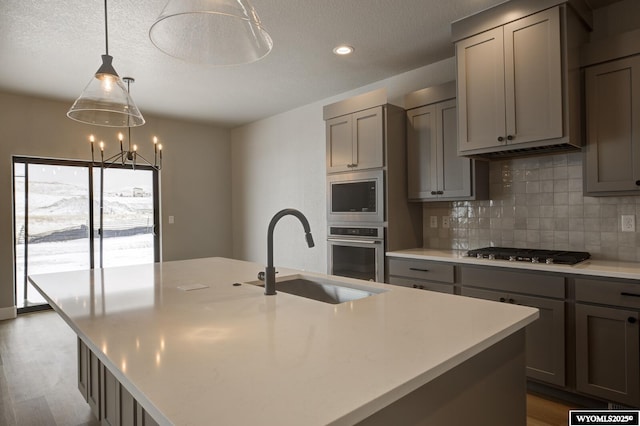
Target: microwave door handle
x=338 y=240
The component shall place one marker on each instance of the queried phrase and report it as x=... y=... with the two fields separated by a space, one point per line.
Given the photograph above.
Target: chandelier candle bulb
x=120 y=139
x=92 y=140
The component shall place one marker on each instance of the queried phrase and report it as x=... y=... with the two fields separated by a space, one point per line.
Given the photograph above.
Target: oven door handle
x=339 y=240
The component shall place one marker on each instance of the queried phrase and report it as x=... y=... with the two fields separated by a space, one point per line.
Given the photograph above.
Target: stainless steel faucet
x=270 y=271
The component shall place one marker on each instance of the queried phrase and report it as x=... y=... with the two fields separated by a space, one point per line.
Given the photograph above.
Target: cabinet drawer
x=513 y=281
x=422 y=285
x=605 y=292
x=422 y=269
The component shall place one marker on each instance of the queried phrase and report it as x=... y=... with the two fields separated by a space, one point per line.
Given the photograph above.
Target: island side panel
x=489 y=388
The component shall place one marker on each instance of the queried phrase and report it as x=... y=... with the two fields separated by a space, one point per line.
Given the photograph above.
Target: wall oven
x=356 y=197
x=356 y=252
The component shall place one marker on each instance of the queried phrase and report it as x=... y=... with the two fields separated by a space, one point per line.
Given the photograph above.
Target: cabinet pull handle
x=624 y=293
x=419 y=269
x=440 y=192
x=500 y=138
x=638 y=182
x=510 y=137
x=434 y=192
x=632 y=320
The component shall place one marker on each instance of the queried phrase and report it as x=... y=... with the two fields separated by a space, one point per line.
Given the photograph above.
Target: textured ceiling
x=51 y=48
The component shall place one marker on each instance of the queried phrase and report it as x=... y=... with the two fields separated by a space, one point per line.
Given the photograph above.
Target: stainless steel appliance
x=530 y=255
x=356 y=197
x=356 y=252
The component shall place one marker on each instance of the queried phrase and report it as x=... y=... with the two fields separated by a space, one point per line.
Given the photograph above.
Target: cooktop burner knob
x=512 y=258
x=549 y=261
x=535 y=260
x=492 y=257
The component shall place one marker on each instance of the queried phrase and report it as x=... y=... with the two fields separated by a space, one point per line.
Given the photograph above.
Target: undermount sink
x=321 y=289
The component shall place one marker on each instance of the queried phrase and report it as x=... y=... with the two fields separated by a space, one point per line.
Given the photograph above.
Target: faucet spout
x=270 y=271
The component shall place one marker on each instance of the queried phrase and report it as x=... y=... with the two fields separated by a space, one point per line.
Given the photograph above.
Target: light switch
x=172 y=219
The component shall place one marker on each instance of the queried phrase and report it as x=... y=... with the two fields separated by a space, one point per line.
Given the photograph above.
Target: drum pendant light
x=105 y=101
x=213 y=32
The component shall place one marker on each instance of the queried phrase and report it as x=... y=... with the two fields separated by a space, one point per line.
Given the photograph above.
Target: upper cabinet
x=434 y=170
x=355 y=141
x=612 y=90
x=518 y=82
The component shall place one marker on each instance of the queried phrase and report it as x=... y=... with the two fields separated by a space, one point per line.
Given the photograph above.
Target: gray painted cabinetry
x=608 y=340
x=434 y=170
x=110 y=402
x=516 y=81
x=587 y=339
x=355 y=141
x=613 y=127
x=546 y=336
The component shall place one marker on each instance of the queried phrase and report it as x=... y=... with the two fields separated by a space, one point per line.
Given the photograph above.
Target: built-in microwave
x=356 y=197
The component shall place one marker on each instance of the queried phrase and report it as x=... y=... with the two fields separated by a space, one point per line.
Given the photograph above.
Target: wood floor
x=38 y=377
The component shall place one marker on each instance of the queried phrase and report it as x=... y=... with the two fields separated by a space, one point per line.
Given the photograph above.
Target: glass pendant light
x=213 y=32
x=105 y=101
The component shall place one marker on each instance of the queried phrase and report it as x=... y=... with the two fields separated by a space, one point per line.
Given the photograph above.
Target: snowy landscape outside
x=58 y=220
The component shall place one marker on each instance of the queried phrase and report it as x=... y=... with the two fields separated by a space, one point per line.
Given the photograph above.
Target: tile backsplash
x=537 y=202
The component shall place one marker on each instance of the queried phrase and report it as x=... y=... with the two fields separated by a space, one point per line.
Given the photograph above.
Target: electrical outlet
x=445 y=221
x=433 y=221
x=628 y=223
x=172 y=219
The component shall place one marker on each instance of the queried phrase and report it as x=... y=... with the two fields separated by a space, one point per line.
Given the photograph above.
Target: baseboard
x=8 y=313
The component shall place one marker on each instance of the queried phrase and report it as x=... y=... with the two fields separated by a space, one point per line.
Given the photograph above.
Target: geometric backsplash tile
x=537 y=202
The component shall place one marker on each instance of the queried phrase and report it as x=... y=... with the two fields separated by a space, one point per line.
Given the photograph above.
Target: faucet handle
x=262 y=276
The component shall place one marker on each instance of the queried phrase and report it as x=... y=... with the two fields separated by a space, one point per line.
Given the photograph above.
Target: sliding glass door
x=56 y=205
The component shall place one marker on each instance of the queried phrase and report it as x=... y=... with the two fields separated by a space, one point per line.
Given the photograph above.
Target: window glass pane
x=58 y=220
x=128 y=219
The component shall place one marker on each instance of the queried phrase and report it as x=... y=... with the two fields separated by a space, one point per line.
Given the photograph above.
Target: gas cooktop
x=530 y=255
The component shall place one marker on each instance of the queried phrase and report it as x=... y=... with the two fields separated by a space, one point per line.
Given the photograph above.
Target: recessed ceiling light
x=343 y=50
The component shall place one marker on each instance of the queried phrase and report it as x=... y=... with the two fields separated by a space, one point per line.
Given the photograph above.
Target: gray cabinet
x=435 y=172
x=110 y=402
x=612 y=163
x=608 y=340
x=422 y=274
x=513 y=88
x=546 y=336
x=355 y=141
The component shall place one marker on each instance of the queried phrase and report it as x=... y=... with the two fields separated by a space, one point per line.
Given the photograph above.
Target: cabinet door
x=94 y=385
x=422 y=153
x=454 y=172
x=545 y=339
x=368 y=139
x=607 y=358
x=533 y=78
x=613 y=126
x=545 y=336
x=481 y=113
x=83 y=368
x=339 y=144
x=110 y=403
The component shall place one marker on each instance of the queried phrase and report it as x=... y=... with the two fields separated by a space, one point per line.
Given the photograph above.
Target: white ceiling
x=51 y=48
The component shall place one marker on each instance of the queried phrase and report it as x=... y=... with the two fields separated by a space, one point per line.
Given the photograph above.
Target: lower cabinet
x=110 y=402
x=545 y=337
x=608 y=340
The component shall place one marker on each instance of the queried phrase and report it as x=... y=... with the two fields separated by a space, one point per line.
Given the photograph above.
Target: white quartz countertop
x=599 y=268
x=229 y=355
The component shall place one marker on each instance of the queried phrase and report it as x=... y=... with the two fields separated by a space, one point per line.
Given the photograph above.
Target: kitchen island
x=194 y=344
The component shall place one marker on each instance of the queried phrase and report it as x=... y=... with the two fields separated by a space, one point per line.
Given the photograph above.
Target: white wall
x=195 y=176
x=279 y=162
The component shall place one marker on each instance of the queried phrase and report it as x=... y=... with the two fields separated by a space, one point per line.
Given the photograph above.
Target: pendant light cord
x=106 y=31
